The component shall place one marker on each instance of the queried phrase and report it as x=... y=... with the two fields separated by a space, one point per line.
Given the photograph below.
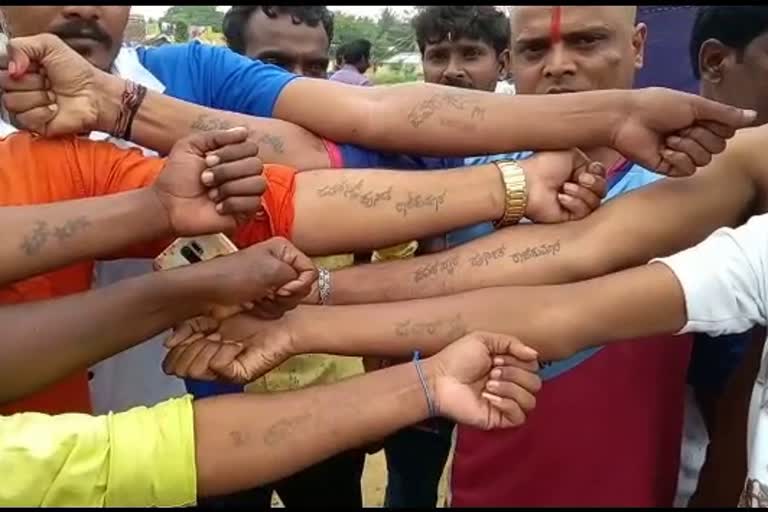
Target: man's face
x=571 y=49
x=466 y=63
x=95 y=32
x=300 y=49
x=739 y=79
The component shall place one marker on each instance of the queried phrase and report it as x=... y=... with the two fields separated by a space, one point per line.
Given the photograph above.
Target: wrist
x=154 y=209
x=110 y=90
x=182 y=289
x=299 y=327
x=433 y=371
x=515 y=187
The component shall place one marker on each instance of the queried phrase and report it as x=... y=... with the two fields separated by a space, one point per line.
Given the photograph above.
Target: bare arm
x=557 y=321
x=338 y=211
x=431 y=119
x=162 y=120
x=83 y=329
x=41 y=238
x=658 y=220
x=245 y=440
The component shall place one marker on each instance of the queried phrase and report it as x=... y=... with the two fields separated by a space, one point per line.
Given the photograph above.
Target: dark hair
x=736 y=26
x=355 y=51
x=434 y=23
x=238 y=16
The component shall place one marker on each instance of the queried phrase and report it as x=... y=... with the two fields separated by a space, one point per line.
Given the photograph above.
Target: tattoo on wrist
x=452 y=327
x=445 y=266
x=34 y=242
x=356 y=192
x=463 y=103
x=283 y=429
x=418 y=201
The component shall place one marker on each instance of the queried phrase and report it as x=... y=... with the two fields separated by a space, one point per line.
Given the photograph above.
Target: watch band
x=515 y=192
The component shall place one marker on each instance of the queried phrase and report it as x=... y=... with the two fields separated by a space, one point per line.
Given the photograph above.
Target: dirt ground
x=375 y=481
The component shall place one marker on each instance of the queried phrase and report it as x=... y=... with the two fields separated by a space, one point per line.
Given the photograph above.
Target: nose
x=454 y=70
x=559 y=63
x=82 y=11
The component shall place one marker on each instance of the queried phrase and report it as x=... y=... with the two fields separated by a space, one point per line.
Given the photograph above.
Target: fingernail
x=496 y=373
x=492 y=385
x=570 y=188
x=213 y=194
x=587 y=180
x=219 y=207
x=530 y=352
x=284 y=293
x=12 y=68
x=491 y=398
x=53 y=107
x=674 y=139
x=207 y=178
x=563 y=198
x=237 y=129
x=212 y=160
x=750 y=115
x=498 y=361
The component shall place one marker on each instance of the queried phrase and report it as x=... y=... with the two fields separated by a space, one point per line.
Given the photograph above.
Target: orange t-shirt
x=37 y=170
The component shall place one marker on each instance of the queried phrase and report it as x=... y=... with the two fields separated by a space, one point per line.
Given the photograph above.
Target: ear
x=714 y=56
x=503 y=61
x=638 y=44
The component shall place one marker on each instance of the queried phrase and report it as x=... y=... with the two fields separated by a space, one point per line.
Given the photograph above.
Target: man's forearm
x=45 y=341
x=556 y=321
x=431 y=119
x=244 y=441
x=44 y=237
x=162 y=120
x=658 y=220
x=339 y=211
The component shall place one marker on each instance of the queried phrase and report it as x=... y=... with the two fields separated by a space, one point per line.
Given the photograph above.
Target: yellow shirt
x=144 y=457
x=308 y=369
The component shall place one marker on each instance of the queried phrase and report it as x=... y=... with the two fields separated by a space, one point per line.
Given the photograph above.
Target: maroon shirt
x=605 y=433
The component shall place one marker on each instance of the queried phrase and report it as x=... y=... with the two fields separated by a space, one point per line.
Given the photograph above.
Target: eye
x=472 y=53
x=587 y=40
x=437 y=56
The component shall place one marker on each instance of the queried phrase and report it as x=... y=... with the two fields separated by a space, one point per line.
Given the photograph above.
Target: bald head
x=575 y=48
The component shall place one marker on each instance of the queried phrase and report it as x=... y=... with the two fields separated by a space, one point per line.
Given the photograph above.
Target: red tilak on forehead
x=554 y=30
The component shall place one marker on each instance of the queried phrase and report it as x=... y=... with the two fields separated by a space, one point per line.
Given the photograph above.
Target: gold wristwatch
x=515 y=192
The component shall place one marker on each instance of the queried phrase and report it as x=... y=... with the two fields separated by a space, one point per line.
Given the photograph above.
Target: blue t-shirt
x=216 y=77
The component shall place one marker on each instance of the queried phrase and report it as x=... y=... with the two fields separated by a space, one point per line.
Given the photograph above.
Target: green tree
x=180 y=32
x=389 y=34
x=200 y=15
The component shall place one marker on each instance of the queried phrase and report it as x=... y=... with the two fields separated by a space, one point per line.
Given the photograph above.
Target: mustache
x=82 y=28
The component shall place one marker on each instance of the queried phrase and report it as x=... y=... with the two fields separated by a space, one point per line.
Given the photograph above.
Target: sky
x=156 y=11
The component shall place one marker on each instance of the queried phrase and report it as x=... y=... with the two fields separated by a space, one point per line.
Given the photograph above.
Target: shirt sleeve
x=141 y=458
x=217 y=77
x=724 y=279
x=278 y=202
x=104 y=168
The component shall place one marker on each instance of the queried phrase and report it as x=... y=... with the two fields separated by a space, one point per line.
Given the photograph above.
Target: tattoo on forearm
x=34 y=242
x=444 y=266
x=275 y=142
x=207 y=123
x=452 y=328
x=483 y=258
x=284 y=428
x=464 y=103
x=356 y=192
x=536 y=251
x=418 y=201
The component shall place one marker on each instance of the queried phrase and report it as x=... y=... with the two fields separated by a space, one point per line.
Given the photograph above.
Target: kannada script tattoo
x=461 y=102
x=453 y=328
x=419 y=201
x=536 y=251
x=483 y=258
x=444 y=266
x=284 y=428
x=207 y=123
x=355 y=192
x=34 y=242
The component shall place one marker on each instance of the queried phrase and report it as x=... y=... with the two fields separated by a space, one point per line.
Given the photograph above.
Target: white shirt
x=725 y=281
